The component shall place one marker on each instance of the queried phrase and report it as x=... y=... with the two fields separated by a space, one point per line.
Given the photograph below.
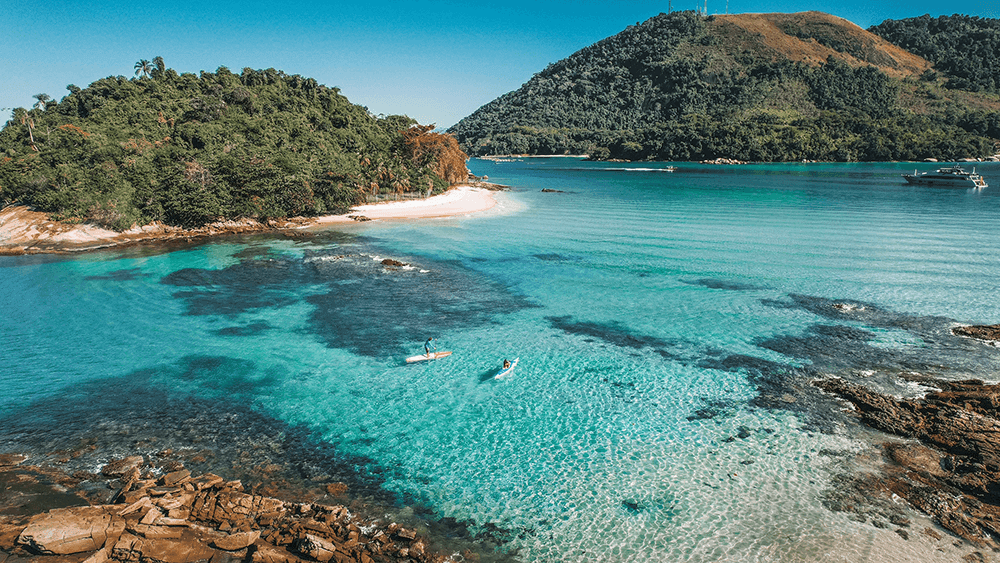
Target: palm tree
x=143 y=67
x=42 y=100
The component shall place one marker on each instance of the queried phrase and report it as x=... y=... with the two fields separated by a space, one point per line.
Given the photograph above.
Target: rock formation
x=177 y=518
x=951 y=468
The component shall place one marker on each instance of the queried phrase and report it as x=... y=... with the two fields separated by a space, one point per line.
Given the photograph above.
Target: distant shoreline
x=25 y=231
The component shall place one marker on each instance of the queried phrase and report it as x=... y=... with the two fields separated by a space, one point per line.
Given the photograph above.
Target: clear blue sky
x=436 y=61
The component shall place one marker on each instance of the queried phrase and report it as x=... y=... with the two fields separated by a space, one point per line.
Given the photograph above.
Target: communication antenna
x=670 y=6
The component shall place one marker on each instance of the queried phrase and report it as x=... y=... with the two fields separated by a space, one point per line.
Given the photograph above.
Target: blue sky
x=436 y=61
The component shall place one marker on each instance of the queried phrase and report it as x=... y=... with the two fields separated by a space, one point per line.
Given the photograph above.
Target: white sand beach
x=460 y=200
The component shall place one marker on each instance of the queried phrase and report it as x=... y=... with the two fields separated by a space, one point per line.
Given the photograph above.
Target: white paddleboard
x=504 y=372
x=432 y=356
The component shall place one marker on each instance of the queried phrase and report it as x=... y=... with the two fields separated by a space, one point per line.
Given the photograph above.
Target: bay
x=666 y=324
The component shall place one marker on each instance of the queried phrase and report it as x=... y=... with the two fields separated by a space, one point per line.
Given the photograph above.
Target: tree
x=144 y=68
x=42 y=100
x=24 y=119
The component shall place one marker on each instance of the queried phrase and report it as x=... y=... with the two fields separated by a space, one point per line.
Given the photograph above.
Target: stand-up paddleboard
x=506 y=371
x=432 y=356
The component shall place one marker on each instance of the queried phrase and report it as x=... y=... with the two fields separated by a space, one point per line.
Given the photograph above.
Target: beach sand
x=460 y=200
x=24 y=231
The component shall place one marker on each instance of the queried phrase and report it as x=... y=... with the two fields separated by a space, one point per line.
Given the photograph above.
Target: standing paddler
x=428 y=346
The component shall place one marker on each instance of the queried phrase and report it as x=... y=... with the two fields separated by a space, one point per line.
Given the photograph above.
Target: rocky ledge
x=176 y=517
x=990 y=333
x=950 y=466
x=26 y=231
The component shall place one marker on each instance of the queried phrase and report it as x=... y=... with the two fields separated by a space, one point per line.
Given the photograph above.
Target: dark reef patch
x=379 y=312
x=127 y=274
x=251 y=329
x=616 y=335
x=729 y=285
x=246 y=286
x=358 y=303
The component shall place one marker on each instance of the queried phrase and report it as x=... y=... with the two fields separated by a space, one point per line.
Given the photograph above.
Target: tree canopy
x=190 y=149
x=683 y=86
x=966 y=49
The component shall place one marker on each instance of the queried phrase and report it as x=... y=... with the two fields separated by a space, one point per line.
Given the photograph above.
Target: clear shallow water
x=647 y=419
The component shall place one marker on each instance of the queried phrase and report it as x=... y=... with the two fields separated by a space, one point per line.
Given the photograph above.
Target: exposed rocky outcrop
x=178 y=518
x=953 y=473
x=24 y=230
x=983 y=332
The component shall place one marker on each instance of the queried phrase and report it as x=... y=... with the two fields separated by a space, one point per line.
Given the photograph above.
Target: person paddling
x=428 y=346
x=506 y=363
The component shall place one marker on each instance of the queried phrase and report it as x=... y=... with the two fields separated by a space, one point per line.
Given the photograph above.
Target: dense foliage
x=190 y=149
x=677 y=88
x=966 y=49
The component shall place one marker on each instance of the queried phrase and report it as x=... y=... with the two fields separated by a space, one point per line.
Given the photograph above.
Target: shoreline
x=153 y=508
x=24 y=231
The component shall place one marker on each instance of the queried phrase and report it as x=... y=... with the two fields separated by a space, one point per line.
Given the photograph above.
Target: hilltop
x=188 y=150
x=759 y=87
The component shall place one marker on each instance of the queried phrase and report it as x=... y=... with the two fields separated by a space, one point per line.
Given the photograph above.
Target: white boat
x=507 y=370
x=948 y=177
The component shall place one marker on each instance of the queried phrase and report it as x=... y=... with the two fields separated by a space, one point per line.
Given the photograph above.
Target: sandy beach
x=461 y=200
x=24 y=231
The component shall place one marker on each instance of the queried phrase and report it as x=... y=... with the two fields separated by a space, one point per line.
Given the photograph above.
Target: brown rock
x=99 y=556
x=119 y=467
x=9 y=534
x=11 y=460
x=235 y=542
x=132 y=548
x=156 y=532
x=207 y=481
x=316 y=548
x=135 y=506
x=336 y=488
x=151 y=516
x=68 y=530
x=982 y=332
x=270 y=554
x=175 y=477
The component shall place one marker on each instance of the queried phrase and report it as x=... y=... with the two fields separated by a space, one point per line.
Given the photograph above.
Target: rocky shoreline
x=949 y=465
x=147 y=510
x=26 y=231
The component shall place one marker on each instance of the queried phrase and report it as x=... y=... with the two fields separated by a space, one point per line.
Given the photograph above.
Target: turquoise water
x=665 y=324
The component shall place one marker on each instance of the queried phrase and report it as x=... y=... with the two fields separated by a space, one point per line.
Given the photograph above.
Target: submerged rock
x=954 y=473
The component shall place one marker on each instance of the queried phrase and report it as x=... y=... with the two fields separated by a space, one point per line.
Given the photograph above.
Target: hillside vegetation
x=190 y=149
x=964 y=49
x=759 y=87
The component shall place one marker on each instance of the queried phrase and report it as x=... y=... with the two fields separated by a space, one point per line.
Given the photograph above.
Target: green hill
x=760 y=87
x=965 y=49
x=190 y=149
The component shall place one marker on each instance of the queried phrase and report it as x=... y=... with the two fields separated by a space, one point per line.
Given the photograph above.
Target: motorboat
x=948 y=177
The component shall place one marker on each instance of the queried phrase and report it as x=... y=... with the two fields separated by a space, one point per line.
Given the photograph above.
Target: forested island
x=759 y=87
x=187 y=150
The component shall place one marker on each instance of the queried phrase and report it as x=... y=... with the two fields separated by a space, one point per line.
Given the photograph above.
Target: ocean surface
x=667 y=326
